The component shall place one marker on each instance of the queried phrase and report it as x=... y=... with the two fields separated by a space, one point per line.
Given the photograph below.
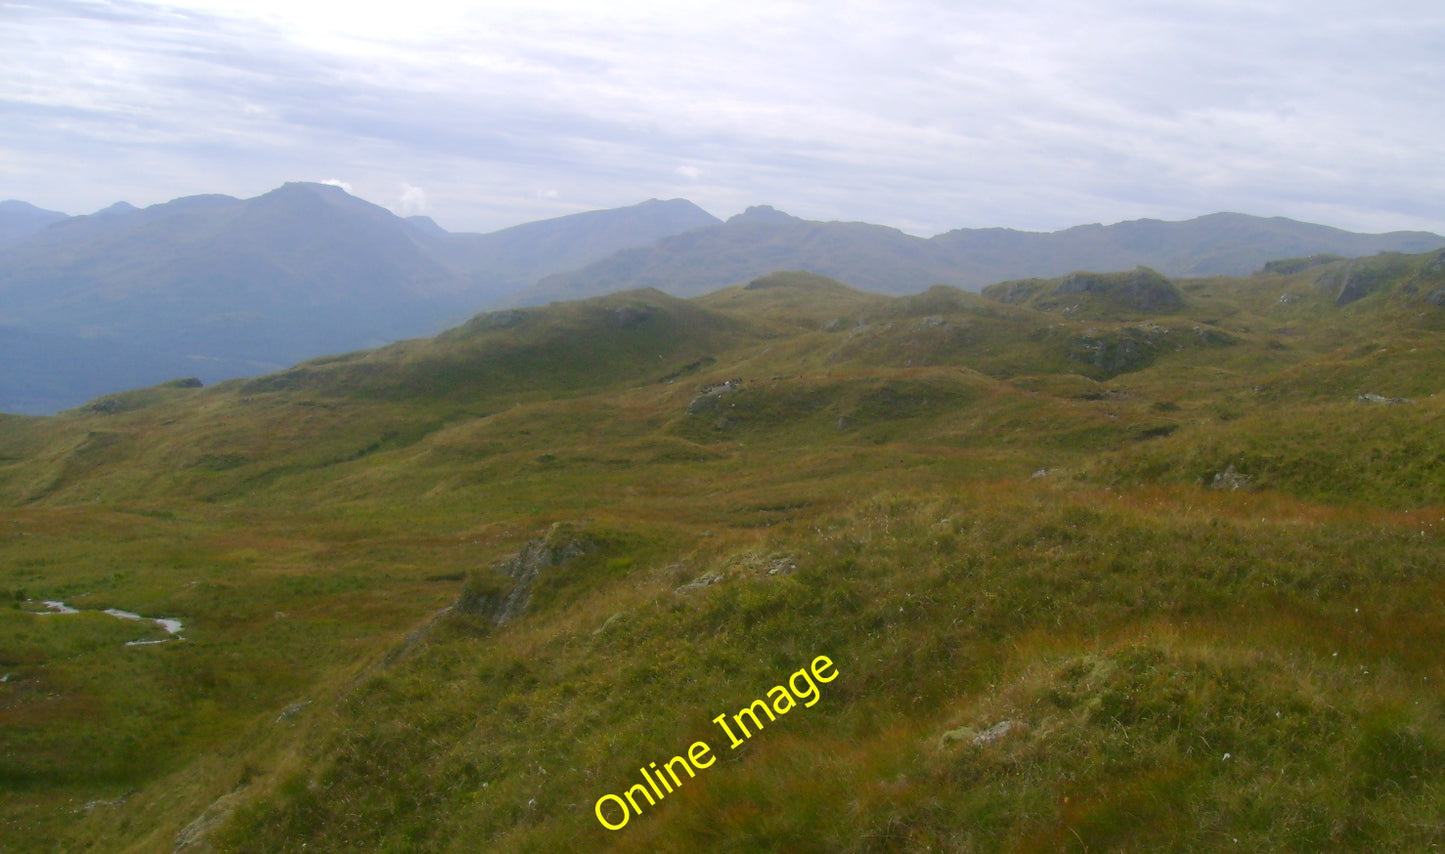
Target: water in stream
x=171 y=625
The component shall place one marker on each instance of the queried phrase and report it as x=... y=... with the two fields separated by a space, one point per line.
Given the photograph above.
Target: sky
x=922 y=115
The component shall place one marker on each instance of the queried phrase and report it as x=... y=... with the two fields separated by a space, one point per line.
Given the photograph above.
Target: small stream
x=171 y=625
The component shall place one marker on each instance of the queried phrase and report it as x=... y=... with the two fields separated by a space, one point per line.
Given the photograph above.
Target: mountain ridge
x=208 y=285
x=886 y=260
x=215 y=283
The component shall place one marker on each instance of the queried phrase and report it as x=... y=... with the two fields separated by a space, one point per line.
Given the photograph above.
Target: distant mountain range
x=885 y=260
x=216 y=287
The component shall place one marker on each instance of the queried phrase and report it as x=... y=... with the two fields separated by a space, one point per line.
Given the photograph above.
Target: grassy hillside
x=1096 y=563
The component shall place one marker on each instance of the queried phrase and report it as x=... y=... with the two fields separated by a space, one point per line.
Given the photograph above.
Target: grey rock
x=1358 y=278
x=1002 y=729
x=709 y=395
x=1230 y=479
x=292 y=711
x=611 y=621
x=488 y=595
x=195 y=838
x=1370 y=398
x=706 y=580
x=998 y=731
x=783 y=566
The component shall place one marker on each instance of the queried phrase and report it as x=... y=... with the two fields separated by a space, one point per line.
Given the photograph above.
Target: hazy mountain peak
x=18 y=219
x=17 y=206
x=764 y=214
x=304 y=191
x=117 y=208
x=294 y=187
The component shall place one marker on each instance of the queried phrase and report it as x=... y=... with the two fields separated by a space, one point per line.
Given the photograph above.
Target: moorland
x=1102 y=562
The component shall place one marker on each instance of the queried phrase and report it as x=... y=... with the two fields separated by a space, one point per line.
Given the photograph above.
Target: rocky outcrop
x=1230 y=479
x=1372 y=398
x=705 y=580
x=997 y=732
x=709 y=395
x=501 y=593
x=195 y=838
x=1140 y=289
x=1358 y=278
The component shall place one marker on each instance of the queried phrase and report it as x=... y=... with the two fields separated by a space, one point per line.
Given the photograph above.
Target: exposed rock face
x=1354 y=284
x=1431 y=273
x=1435 y=265
x=1358 y=278
x=1015 y=292
x=707 y=397
x=488 y=594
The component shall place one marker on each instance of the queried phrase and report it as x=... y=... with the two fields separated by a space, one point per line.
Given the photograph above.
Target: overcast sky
x=917 y=114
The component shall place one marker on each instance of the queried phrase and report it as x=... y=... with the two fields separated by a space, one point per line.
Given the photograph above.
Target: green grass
x=952 y=497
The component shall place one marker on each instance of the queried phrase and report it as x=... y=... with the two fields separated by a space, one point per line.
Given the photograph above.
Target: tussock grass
x=952 y=497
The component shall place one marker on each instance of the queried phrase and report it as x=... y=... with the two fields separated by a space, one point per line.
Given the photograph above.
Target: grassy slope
x=309 y=527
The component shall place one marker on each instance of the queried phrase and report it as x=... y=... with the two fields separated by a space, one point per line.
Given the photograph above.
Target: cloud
x=413 y=201
x=337 y=182
x=918 y=113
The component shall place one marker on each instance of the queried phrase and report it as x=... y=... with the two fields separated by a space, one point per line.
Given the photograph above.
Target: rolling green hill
x=1109 y=561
